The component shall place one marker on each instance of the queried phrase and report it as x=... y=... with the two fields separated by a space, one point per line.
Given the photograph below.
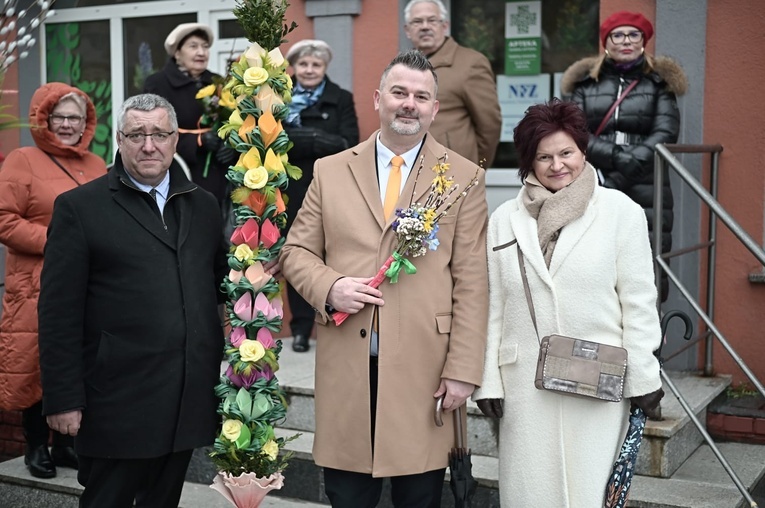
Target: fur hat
x=315 y=44
x=625 y=18
x=182 y=31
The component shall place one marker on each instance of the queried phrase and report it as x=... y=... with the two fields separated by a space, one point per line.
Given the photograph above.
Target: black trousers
x=37 y=432
x=116 y=483
x=303 y=314
x=348 y=489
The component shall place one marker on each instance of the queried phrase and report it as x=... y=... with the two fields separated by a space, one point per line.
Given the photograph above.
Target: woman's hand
x=649 y=403
x=490 y=407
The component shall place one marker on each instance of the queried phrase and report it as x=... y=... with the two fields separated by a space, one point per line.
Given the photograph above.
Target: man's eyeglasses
x=139 y=138
x=74 y=120
x=423 y=22
x=619 y=37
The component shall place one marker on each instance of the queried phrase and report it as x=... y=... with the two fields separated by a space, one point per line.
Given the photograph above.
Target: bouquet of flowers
x=247 y=451
x=217 y=106
x=416 y=227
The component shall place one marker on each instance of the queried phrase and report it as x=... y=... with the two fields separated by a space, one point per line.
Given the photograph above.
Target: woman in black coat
x=623 y=152
x=322 y=121
x=188 y=49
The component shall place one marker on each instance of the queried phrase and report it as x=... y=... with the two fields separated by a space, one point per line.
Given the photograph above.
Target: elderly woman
x=575 y=237
x=322 y=121
x=644 y=90
x=63 y=123
x=188 y=49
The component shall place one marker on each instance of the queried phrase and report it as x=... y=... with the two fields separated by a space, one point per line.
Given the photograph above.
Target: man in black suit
x=130 y=333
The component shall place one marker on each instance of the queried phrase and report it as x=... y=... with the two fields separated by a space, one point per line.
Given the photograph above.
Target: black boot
x=64 y=456
x=300 y=343
x=39 y=462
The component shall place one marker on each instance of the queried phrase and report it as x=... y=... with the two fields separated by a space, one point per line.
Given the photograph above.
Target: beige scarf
x=553 y=210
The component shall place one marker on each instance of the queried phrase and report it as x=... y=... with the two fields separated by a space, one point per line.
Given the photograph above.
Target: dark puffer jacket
x=648 y=115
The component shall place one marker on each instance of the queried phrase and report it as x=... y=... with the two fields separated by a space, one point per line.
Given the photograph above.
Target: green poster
x=523 y=38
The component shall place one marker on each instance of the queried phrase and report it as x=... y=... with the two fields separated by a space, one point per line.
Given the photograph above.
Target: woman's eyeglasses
x=139 y=138
x=74 y=120
x=619 y=37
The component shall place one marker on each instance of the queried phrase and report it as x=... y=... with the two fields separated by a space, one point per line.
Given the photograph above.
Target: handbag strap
x=615 y=105
x=63 y=168
x=526 y=290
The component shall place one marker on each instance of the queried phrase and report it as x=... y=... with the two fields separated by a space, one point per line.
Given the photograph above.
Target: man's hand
x=350 y=294
x=273 y=268
x=66 y=423
x=455 y=393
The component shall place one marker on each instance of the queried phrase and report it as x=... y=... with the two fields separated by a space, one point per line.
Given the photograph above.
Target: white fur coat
x=558 y=450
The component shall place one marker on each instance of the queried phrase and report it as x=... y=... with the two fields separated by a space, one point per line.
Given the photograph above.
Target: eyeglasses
x=139 y=138
x=74 y=120
x=618 y=37
x=423 y=22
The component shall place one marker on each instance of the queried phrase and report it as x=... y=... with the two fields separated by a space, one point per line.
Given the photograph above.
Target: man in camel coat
x=376 y=393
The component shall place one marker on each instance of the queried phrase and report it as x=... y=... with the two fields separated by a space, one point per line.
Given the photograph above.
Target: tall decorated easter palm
x=246 y=451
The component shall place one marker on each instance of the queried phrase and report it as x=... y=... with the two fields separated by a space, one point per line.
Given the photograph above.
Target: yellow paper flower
x=271 y=449
x=227 y=100
x=254 y=55
x=243 y=252
x=206 y=91
x=256 y=178
x=255 y=76
x=275 y=57
x=251 y=159
x=267 y=98
x=232 y=429
x=273 y=162
x=251 y=350
x=235 y=119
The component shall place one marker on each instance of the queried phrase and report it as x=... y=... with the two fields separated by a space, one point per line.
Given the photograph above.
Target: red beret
x=624 y=18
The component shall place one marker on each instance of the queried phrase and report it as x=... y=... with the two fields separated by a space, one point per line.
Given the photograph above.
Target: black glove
x=490 y=407
x=226 y=156
x=210 y=141
x=649 y=403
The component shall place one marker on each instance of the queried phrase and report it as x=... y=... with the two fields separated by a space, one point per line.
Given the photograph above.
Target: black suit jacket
x=129 y=328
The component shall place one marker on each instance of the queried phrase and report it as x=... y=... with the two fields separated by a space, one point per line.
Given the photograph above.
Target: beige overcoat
x=432 y=326
x=469 y=120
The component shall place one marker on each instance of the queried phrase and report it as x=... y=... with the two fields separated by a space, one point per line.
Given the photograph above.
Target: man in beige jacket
x=469 y=119
x=376 y=392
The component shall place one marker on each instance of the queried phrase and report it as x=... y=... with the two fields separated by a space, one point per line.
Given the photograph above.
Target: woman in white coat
x=589 y=269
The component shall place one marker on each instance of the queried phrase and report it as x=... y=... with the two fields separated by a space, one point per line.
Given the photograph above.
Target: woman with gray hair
x=322 y=121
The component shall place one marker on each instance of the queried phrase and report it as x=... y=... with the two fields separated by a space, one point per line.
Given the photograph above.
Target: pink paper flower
x=269 y=234
x=237 y=336
x=246 y=490
x=235 y=276
x=277 y=308
x=250 y=233
x=243 y=307
x=262 y=305
x=265 y=338
x=256 y=275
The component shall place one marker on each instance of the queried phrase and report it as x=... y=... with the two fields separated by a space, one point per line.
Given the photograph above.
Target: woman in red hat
x=622 y=149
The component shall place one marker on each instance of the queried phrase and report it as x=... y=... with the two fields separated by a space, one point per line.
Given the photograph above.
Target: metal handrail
x=663 y=154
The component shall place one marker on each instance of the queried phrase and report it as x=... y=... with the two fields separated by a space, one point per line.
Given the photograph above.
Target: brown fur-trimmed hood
x=665 y=67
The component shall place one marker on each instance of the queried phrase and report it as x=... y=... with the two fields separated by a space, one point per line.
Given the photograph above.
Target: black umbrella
x=460 y=476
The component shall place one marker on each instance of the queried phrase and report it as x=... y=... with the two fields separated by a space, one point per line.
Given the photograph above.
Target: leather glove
x=210 y=141
x=490 y=407
x=226 y=156
x=649 y=403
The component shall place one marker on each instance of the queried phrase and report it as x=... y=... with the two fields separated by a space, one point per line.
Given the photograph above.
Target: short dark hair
x=412 y=59
x=541 y=120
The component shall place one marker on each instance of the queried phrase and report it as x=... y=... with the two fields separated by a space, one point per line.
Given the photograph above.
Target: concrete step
x=18 y=489
x=669 y=442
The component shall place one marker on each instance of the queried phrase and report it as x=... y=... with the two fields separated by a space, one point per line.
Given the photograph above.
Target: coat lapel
x=363 y=170
x=525 y=228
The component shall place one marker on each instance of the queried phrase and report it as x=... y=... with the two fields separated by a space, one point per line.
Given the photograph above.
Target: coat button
x=363 y=333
